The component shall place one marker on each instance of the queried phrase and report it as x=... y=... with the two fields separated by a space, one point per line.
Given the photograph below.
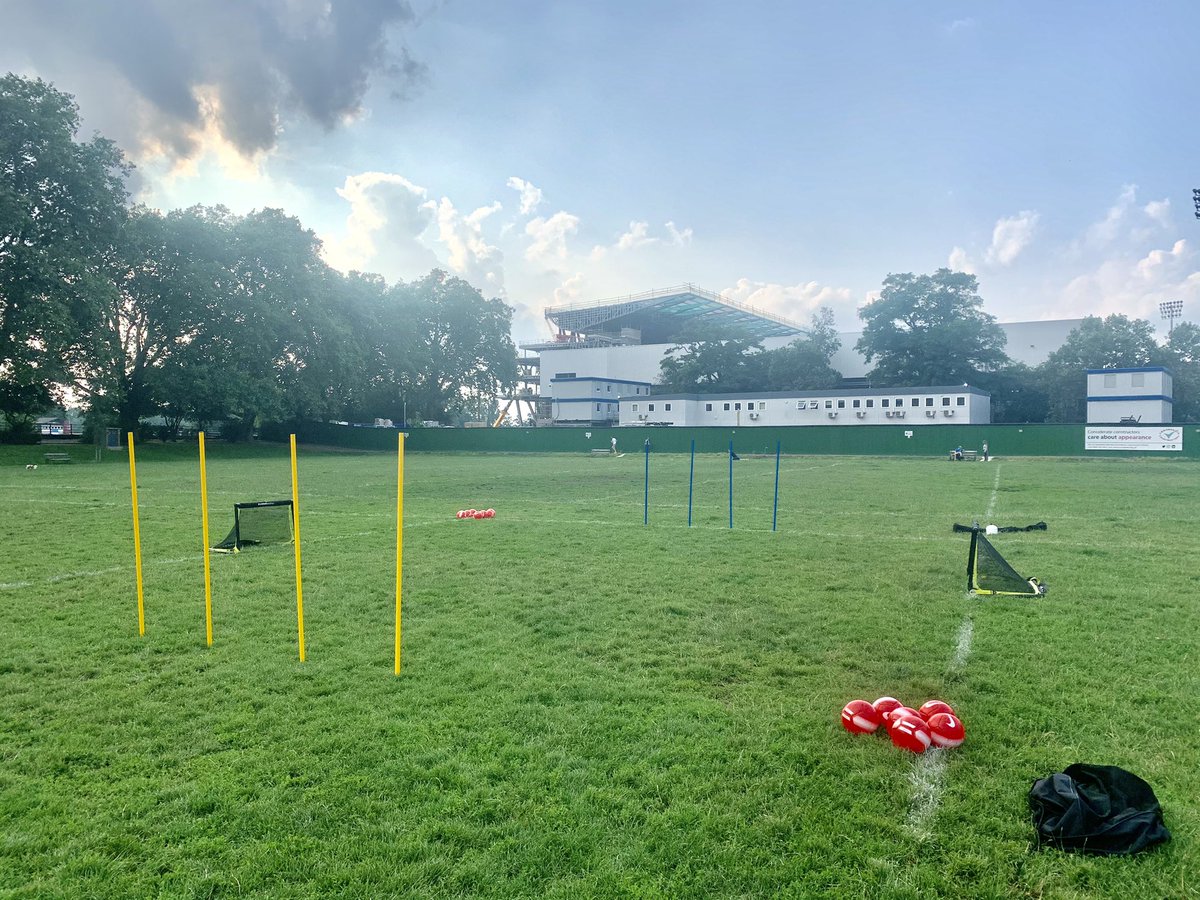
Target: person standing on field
x=614 y=446
x=985 y=451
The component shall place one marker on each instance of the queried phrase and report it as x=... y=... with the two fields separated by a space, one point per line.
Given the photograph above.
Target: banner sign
x=1145 y=437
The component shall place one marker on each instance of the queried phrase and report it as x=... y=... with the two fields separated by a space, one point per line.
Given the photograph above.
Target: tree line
x=926 y=330
x=204 y=315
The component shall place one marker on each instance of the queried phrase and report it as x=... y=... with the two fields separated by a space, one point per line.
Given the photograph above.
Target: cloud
x=635 y=236
x=960 y=262
x=797 y=302
x=549 y=238
x=471 y=256
x=158 y=70
x=388 y=216
x=1134 y=287
x=1159 y=211
x=569 y=290
x=960 y=25
x=531 y=197
x=1105 y=231
x=1010 y=236
x=679 y=238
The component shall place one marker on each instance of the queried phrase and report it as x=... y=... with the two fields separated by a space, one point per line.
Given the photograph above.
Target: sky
x=790 y=155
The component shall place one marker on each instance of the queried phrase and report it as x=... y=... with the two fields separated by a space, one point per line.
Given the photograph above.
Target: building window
x=945 y=401
x=708 y=407
x=960 y=401
x=1138 y=379
x=762 y=406
x=635 y=407
x=650 y=407
x=608 y=388
x=1110 y=380
x=726 y=407
x=597 y=407
x=841 y=404
x=899 y=402
x=800 y=404
x=857 y=404
x=737 y=406
x=829 y=404
x=667 y=407
x=871 y=403
x=884 y=403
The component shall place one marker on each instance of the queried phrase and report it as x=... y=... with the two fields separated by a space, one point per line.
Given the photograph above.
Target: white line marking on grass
x=929 y=775
x=14 y=585
x=992 y=502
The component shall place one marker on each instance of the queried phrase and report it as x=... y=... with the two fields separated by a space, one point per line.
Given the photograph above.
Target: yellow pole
x=296 y=522
x=204 y=521
x=137 y=536
x=399 y=541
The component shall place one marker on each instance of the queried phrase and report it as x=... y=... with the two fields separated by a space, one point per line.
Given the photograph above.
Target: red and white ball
x=884 y=706
x=898 y=712
x=860 y=717
x=491 y=513
x=946 y=730
x=910 y=732
x=933 y=707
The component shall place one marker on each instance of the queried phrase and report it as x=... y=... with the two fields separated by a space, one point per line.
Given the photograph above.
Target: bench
x=967 y=455
x=601 y=451
x=57 y=457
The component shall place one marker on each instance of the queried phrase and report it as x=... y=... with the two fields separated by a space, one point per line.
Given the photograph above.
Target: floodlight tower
x=1171 y=310
x=1196 y=200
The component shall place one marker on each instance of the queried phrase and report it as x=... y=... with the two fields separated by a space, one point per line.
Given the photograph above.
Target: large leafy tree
x=443 y=349
x=804 y=363
x=930 y=329
x=1112 y=342
x=60 y=202
x=1183 y=358
x=708 y=362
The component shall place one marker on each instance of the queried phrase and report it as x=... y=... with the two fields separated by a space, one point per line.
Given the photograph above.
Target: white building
x=957 y=405
x=590 y=401
x=1129 y=396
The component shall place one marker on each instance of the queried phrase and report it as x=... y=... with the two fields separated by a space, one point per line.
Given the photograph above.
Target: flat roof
x=835 y=392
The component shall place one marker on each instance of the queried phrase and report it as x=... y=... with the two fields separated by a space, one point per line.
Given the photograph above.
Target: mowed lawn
x=589 y=707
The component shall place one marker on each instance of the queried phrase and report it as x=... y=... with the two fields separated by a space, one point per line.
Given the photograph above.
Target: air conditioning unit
x=832 y=415
x=754 y=415
x=901 y=413
x=861 y=413
x=931 y=413
x=641 y=418
x=889 y=414
x=947 y=412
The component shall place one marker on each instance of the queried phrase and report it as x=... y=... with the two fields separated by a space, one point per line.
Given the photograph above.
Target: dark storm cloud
x=263 y=60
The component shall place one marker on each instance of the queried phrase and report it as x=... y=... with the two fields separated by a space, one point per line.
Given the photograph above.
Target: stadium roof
x=660 y=315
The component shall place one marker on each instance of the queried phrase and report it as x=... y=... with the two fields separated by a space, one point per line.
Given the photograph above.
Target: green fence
x=866 y=440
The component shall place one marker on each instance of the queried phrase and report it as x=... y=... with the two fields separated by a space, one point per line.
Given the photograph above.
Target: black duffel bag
x=1096 y=809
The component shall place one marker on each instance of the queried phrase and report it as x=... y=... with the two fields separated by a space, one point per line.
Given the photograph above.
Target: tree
x=707 y=362
x=930 y=330
x=60 y=201
x=804 y=363
x=1183 y=358
x=443 y=349
x=1113 y=342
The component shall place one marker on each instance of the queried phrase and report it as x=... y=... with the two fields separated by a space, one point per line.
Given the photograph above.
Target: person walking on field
x=985 y=451
x=614 y=446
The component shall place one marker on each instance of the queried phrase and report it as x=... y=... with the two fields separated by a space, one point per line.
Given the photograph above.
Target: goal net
x=265 y=522
x=989 y=573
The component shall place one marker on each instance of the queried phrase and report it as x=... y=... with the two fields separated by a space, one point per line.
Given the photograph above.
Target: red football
x=491 y=513
x=933 y=707
x=900 y=711
x=910 y=733
x=860 y=717
x=946 y=730
x=885 y=705
x=479 y=514
x=470 y=513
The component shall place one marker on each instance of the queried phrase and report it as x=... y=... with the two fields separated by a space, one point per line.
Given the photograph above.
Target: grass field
x=588 y=707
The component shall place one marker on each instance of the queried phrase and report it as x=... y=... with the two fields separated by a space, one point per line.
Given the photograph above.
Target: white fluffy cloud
x=959 y=261
x=1010 y=236
x=1159 y=211
x=1106 y=230
x=1135 y=287
x=638 y=235
x=531 y=197
x=470 y=255
x=797 y=301
x=388 y=216
x=569 y=291
x=548 y=244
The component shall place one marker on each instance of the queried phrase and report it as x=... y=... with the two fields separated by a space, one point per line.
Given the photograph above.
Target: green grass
x=588 y=707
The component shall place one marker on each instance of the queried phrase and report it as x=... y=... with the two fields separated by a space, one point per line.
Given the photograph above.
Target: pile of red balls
x=910 y=729
x=475 y=514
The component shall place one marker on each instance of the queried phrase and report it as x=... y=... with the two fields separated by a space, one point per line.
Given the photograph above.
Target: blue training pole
x=731 y=484
x=775 y=511
x=646 y=501
x=691 y=476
